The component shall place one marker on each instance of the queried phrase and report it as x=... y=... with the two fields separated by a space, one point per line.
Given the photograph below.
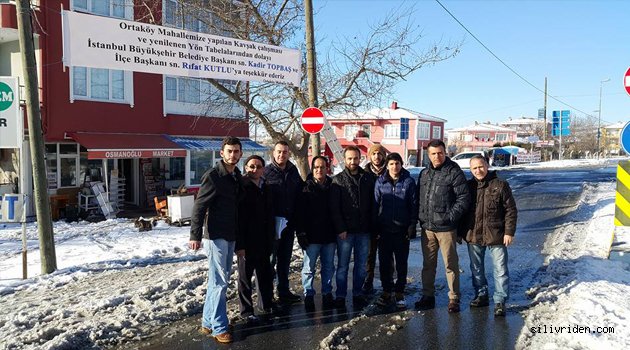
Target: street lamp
x=599 y=118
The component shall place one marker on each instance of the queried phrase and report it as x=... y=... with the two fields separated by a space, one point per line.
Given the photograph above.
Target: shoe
x=205 y=331
x=309 y=302
x=480 y=301
x=453 y=306
x=385 y=299
x=328 y=301
x=368 y=288
x=499 y=310
x=425 y=303
x=400 y=301
x=224 y=338
x=340 y=303
x=289 y=298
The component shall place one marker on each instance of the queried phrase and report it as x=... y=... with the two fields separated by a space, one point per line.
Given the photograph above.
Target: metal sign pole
x=24 y=246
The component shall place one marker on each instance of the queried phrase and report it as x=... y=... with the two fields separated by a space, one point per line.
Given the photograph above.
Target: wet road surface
x=544 y=199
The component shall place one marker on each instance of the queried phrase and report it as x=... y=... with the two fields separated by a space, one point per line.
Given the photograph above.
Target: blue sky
x=575 y=44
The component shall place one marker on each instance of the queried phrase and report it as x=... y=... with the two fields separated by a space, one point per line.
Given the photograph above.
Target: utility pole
x=545 y=108
x=311 y=73
x=36 y=142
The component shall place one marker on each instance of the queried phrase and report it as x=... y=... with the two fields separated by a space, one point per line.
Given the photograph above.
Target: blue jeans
x=359 y=242
x=499 y=256
x=326 y=253
x=220 y=254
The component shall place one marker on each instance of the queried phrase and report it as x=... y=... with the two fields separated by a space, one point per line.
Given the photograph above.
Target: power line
x=503 y=63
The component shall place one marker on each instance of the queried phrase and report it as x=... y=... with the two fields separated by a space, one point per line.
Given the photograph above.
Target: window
x=367 y=130
x=392 y=131
x=102 y=84
x=423 y=130
x=437 y=132
x=200 y=161
x=350 y=131
x=482 y=136
x=501 y=137
x=109 y=8
x=62 y=165
x=198 y=97
x=176 y=168
x=191 y=18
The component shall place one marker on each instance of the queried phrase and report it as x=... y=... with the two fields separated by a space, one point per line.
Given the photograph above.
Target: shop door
x=127 y=167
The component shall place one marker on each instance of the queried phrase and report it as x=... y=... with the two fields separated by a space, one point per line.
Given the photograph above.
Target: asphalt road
x=544 y=198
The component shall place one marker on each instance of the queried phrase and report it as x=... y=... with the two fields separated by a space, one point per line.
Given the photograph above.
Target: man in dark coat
x=315 y=232
x=489 y=224
x=351 y=199
x=258 y=234
x=443 y=198
x=285 y=182
x=376 y=167
x=217 y=204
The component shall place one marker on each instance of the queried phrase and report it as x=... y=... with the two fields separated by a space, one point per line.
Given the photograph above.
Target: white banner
x=10 y=119
x=11 y=206
x=102 y=42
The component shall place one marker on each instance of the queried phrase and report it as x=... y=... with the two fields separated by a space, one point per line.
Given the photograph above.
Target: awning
x=114 y=145
x=214 y=144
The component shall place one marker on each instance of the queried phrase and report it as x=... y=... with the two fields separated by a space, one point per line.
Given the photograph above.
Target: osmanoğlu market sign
x=101 y=42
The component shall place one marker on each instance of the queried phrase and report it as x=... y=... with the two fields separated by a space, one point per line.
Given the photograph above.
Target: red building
x=382 y=125
x=154 y=130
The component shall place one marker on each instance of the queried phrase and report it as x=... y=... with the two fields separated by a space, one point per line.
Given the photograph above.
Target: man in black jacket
x=285 y=182
x=443 y=198
x=258 y=234
x=217 y=204
x=351 y=200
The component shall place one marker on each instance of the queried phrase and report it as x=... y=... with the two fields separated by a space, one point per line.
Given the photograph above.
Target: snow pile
x=581 y=298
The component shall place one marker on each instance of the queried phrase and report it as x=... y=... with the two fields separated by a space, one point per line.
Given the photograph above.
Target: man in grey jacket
x=443 y=198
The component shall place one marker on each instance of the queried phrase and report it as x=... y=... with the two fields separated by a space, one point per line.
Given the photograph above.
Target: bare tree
x=355 y=73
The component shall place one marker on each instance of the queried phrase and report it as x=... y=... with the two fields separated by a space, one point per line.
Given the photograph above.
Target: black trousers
x=247 y=266
x=393 y=246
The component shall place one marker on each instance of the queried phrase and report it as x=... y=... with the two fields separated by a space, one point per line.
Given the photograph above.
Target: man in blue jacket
x=217 y=203
x=396 y=212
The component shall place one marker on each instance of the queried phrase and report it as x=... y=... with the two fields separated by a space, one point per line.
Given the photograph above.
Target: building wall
x=60 y=115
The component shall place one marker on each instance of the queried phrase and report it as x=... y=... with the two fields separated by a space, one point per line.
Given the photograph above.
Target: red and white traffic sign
x=626 y=81
x=312 y=120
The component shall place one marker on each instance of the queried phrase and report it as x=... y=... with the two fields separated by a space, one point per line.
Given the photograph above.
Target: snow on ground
x=567 y=163
x=579 y=288
x=114 y=285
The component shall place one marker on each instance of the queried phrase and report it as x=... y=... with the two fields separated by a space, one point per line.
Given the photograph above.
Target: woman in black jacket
x=315 y=232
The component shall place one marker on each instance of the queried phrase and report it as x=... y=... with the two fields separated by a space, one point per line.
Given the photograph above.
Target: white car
x=463 y=159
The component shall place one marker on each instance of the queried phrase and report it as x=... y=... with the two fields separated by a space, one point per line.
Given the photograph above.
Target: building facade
x=610 y=139
x=155 y=131
x=383 y=126
x=479 y=137
x=528 y=128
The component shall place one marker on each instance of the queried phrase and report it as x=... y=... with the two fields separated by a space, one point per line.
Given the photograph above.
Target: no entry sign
x=312 y=120
x=626 y=81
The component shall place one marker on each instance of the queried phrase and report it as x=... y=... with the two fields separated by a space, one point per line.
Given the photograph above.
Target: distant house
x=610 y=139
x=527 y=127
x=479 y=137
x=382 y=125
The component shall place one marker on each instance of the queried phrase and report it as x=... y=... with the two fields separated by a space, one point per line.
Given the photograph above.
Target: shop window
x=177 y=168
x=200 y=162
x=51 y=165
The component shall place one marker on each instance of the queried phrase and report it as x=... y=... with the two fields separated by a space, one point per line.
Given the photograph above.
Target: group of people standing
x=360 y=213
